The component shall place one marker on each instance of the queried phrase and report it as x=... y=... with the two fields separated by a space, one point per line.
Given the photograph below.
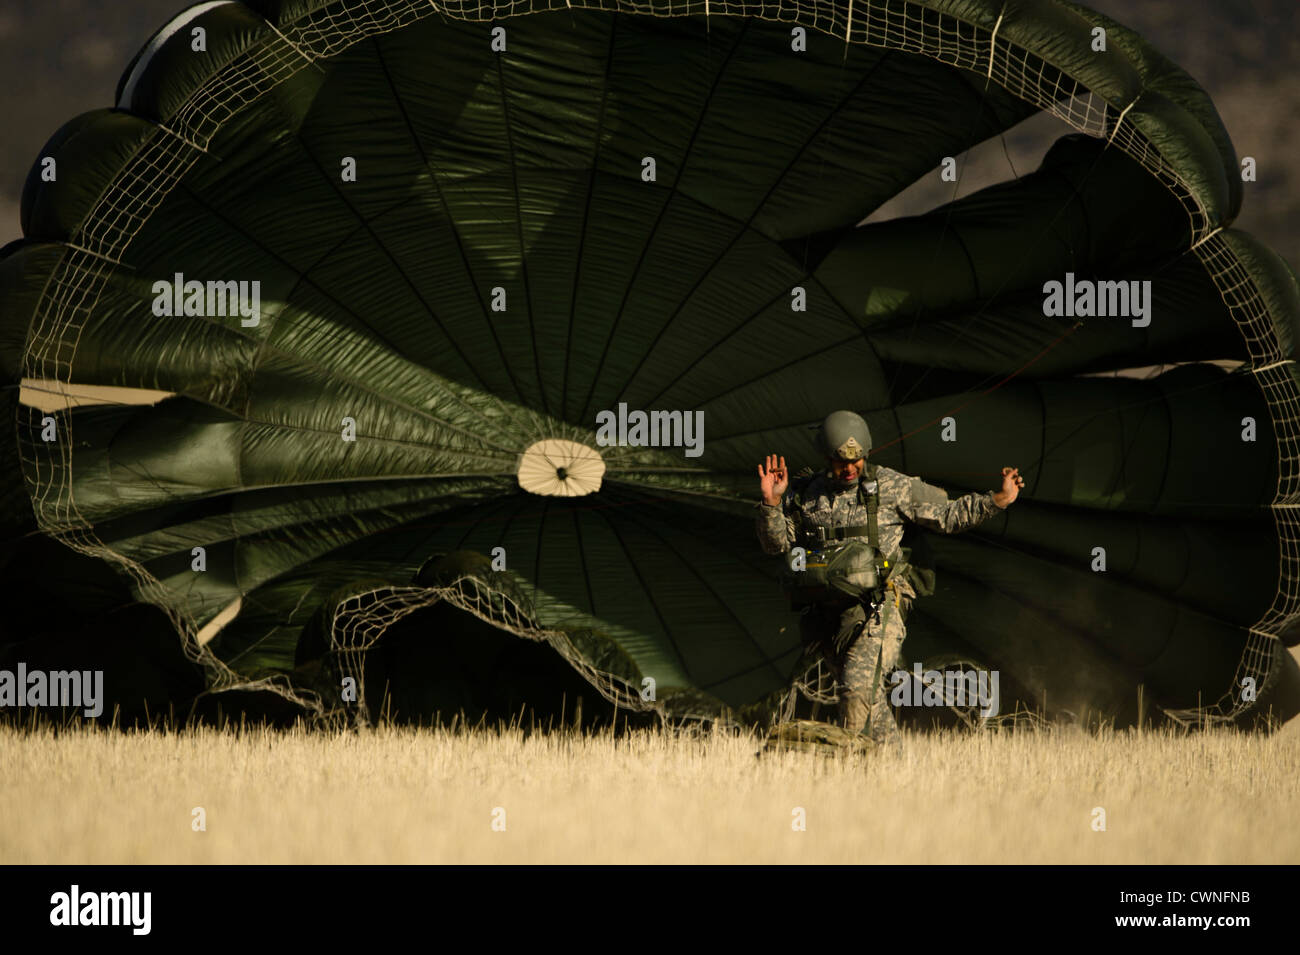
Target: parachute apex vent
x=560 y=468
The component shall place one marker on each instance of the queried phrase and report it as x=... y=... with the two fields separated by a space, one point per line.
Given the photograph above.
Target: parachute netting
x=162 y=160
x=359 y=622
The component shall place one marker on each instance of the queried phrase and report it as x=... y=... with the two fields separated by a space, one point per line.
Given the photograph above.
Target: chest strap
x=871 y=499
x=843 y=533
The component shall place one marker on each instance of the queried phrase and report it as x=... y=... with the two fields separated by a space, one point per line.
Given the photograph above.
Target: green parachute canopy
x=403 y=279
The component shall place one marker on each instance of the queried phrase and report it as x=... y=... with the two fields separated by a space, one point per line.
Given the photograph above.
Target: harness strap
x=873 y=504
x=841 y=533
x=871 y=499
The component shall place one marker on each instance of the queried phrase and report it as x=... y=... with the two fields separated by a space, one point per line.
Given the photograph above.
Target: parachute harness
x=814 y=683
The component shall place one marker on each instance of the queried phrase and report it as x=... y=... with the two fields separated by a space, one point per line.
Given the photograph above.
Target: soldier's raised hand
x=1012 y=482
x=773 y=481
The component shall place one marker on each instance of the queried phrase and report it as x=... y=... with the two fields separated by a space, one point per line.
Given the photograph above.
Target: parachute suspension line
x=186 y=140
x=297 y=49
x=1006 y=154
x=1119 y=119
x=848 y=31
x=99 y=255
x=1206 y=238
x=993 y=39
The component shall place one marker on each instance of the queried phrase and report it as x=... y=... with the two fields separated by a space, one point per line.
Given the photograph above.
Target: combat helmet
x=844 y=435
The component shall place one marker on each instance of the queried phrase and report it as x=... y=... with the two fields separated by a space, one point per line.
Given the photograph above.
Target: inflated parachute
x=404 y=278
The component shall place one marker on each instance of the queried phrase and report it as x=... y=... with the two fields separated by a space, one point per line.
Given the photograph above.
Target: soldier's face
x=846 y=471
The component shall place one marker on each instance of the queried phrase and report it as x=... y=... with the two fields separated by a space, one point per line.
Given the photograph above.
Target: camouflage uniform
x=829 y=505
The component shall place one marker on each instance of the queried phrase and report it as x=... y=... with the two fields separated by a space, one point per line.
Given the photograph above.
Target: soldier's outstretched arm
x=774 y=526
x=929 y=506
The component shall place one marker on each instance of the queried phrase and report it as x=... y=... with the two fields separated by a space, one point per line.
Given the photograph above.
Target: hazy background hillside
x=62 y=57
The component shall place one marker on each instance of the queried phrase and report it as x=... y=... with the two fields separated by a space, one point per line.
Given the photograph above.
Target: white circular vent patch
x=561 y=468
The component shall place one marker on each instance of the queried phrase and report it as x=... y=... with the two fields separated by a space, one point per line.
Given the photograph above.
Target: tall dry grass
x=408 y=796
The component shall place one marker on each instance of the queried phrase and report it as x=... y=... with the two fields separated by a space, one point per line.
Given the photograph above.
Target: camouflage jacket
x=901 y=498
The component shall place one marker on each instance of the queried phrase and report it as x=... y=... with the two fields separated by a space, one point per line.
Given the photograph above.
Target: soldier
x=855 y=617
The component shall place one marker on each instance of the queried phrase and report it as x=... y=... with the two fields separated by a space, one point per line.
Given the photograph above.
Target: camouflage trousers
x=862 y=649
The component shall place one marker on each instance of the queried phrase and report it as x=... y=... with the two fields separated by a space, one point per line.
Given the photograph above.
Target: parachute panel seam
x=746 y=229
x=690 y=565
x=460 y=243
x=645 y=589
x=671 y=193
x=519 y=237
x=303 y=360
x=586 y=215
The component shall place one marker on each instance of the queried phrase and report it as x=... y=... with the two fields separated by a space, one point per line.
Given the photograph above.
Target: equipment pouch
x=844 y=569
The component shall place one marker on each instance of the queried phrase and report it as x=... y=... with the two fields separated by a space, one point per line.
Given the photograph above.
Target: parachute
x=495 y=307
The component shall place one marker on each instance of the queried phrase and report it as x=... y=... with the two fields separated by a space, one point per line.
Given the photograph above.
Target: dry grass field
x=424 y=796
